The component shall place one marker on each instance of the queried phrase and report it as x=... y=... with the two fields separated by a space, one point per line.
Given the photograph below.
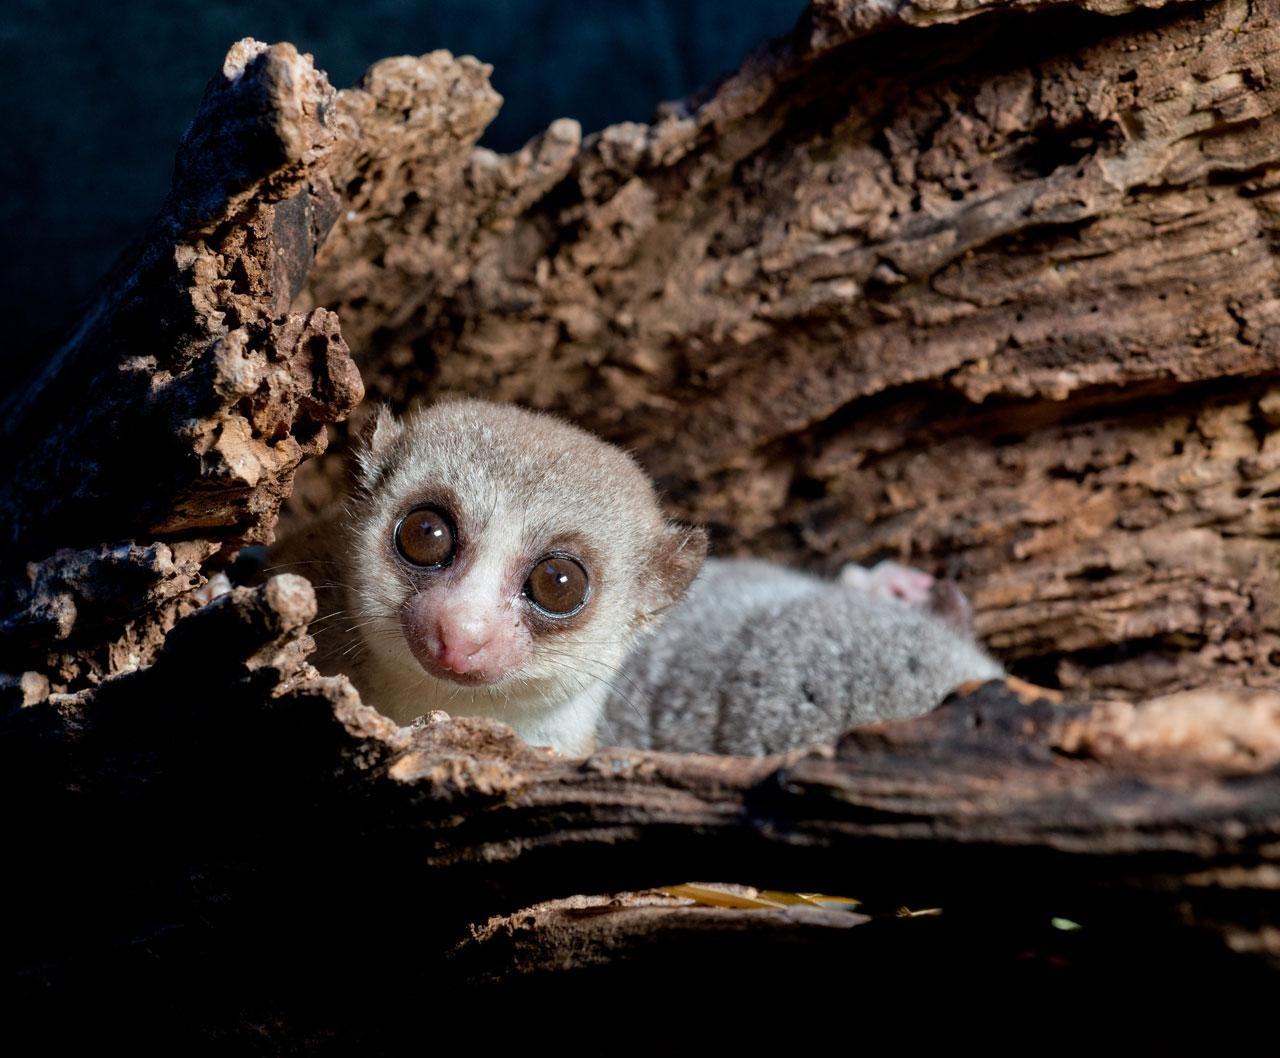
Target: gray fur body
x=759 y=659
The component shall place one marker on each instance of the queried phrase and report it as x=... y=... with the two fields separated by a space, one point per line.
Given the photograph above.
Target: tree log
x=988 y=288
x=995 y=298
x=247 y=831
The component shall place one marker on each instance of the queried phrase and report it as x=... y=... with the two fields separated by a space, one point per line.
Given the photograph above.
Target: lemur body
x=784 y=659
x=502 y=563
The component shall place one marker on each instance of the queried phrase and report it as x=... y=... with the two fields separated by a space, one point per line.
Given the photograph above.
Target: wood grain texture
x=992 y=301
x=987 y=288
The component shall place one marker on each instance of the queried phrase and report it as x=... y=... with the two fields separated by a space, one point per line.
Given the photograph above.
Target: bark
x=988 y=288
x=165 y=432
x=996 y=299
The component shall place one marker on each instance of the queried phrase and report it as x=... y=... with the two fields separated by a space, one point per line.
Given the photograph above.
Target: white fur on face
x=519 y=487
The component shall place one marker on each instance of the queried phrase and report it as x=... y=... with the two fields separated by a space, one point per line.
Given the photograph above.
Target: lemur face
x=483 y=597
x=500 y=548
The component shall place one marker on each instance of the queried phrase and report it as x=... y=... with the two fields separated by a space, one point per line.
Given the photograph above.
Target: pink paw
x=890 y=580
x=218 y=584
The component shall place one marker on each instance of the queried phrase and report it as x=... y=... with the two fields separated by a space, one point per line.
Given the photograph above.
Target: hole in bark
x=1043 y=670
x=424 y=355
x=1057 y=148
x=239 y=276
x=1062 y=473
x=806 y=488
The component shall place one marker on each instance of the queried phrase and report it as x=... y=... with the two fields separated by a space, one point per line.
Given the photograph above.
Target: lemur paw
x=890 y=580
x=218 y=584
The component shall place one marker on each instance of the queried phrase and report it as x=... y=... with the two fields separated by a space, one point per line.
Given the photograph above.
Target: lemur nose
x=462 y=644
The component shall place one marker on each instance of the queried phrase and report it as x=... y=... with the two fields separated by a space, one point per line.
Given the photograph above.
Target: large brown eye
x=557 y=586
x=425 y=538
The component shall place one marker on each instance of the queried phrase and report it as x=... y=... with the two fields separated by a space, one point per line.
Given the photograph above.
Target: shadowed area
x=93 y=98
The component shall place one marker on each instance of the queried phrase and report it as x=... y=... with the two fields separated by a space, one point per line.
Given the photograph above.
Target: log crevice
x=897 y=289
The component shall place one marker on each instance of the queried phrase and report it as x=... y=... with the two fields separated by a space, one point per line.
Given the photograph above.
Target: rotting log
x=987 y=289
x=258 y=844
x=995 y=297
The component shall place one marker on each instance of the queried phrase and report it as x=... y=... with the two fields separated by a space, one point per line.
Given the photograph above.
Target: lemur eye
x=425 y=538
x=557 y=586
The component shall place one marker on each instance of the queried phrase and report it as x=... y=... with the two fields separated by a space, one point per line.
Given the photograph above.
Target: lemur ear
x=376 y=439
x=676 y=560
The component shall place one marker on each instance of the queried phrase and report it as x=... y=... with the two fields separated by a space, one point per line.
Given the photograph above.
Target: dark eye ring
x=425 y=538
x=557 y=586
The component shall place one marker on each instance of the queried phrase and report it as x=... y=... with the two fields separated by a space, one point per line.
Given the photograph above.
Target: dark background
x=94 y=96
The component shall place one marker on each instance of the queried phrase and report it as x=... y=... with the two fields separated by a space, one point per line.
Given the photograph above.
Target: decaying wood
x=167 y=429
x=984 y=298
x=262 y=838
x=994 y=297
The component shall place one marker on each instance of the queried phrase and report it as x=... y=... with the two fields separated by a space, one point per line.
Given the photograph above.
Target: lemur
x=498 y=562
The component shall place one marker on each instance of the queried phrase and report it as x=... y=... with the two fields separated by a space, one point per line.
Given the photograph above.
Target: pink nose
x=463 y=647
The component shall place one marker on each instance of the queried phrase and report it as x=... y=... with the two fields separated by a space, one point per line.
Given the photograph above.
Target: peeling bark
x=995 y=297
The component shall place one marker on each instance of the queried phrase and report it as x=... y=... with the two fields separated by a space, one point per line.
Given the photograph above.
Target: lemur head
x=499 y=547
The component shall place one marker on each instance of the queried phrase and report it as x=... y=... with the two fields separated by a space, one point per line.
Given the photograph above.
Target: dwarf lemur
x=498 y=562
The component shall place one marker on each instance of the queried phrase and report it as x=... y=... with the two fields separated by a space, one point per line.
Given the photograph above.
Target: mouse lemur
x=499 y=562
